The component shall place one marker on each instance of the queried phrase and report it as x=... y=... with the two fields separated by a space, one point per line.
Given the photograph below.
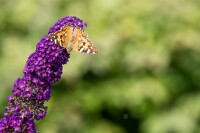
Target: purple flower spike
x=43 y=68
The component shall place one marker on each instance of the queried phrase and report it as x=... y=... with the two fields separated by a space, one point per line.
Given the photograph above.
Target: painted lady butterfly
x=73 y=39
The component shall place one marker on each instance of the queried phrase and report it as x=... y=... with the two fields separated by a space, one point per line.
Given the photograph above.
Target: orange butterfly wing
x=81 y=42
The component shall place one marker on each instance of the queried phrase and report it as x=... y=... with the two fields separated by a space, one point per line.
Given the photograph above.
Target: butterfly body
x=73 y=38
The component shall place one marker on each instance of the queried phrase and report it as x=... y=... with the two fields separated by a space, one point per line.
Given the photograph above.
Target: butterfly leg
x=69 y=50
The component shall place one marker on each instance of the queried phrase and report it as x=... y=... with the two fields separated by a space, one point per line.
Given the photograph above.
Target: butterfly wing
x=67 y=36
x=81 y=42
x=62 y=37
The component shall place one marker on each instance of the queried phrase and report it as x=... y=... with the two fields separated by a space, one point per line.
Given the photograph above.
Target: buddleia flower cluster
x=43 y=68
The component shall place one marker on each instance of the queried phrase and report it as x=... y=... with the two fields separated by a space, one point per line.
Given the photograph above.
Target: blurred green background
x=144 y=80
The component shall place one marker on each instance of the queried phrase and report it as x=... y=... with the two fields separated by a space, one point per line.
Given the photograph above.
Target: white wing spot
x=55 y=41
x=88 y=51
x=81 y=50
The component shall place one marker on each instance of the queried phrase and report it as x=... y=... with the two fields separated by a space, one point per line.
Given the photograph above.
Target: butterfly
x=73 y=38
